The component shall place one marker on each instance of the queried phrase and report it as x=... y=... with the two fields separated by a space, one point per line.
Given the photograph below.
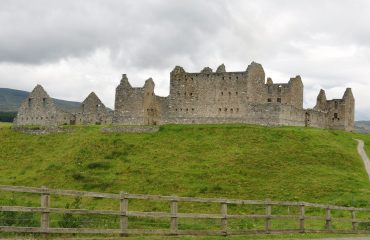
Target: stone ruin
x=39 y=109
x=205 y=97
x=93 y=111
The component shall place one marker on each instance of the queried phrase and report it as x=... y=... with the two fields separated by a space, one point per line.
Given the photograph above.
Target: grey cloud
x=326 y=41
x=144 y=33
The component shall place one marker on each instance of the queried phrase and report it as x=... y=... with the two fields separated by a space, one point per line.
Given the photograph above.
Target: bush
x=7 y=116
x=101 y=165
x=18 y=219
x=78 y=176
x=68 y=220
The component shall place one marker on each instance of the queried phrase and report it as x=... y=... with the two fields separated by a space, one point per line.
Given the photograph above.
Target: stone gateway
x=206 y=97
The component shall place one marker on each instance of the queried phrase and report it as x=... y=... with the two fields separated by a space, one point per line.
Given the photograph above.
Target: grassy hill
x=230 y=161
x=234 y=161
x=11 y=99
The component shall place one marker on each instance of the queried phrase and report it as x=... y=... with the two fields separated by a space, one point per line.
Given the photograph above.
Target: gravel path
x=361 y=151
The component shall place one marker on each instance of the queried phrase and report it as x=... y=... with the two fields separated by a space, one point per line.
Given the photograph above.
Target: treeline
x=7 y=116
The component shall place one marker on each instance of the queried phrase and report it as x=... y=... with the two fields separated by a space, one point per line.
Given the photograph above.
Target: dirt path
x=361 y=151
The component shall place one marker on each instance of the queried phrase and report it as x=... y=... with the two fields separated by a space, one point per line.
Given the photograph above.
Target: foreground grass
x=250 y=237
x=5 y=125
x=263 y=236
x=228 y=161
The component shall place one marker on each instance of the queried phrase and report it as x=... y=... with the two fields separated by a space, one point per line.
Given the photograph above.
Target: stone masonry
x=40 y=109
x=93 y=111
x=229 y=97
x=209 y=97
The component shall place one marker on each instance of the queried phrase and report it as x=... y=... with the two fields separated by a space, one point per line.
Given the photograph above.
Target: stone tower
x=137 y=106
x=340 y=113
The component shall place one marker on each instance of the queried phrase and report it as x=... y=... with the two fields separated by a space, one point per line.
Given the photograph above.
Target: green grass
x=263 y=236
x=5 y=125
x=228 y=161
x=250 y=237
x=235 y=161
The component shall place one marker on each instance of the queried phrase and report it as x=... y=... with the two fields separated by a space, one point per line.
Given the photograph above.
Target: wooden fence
x=173 y=215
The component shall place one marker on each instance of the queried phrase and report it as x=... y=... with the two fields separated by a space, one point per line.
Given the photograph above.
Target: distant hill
x=11 y=99
x=363 y=126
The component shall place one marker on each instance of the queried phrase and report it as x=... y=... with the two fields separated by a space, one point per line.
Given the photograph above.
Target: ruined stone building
x=218 y=97
x=93 y=111
x=40 y=109
x=229 y=97
x=138 y=106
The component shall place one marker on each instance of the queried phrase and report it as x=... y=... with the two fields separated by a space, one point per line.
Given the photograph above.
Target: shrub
x=78 y=176
x=101 y=165
x=68 y=220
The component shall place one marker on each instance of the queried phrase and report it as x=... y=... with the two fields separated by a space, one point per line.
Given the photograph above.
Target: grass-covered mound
x=231 y=161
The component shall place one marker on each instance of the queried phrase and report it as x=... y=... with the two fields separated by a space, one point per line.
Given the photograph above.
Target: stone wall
x=40 y=109
x=207 y=94
x=226 y=97
x=203 y=97
x=135 y=106
x=288 y=94
x=93 y=111
x=340 y=113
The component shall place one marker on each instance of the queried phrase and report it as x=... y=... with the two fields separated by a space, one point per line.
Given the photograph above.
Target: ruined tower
x=137 y=106
x=339 y=113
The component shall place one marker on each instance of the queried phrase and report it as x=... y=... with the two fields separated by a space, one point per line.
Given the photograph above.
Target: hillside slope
x=362 y=126
x=234 y=161
x=11 y=99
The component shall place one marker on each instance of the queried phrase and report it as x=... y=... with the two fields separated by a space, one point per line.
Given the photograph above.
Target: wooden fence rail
x=174 y=215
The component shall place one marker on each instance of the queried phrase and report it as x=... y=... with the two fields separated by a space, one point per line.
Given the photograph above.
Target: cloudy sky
x=73 y=47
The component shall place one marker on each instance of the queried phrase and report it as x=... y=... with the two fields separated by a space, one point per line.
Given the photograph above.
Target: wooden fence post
x=174 y=217
x=302 y=218
x=354 y=222
x=45 y=203
x=268 y=216
x=224 y=218
x=328 y=219
x=123 y=216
